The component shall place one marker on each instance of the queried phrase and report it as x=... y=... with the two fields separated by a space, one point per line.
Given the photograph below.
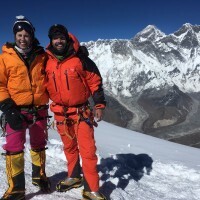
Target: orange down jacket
x=69 y=84
x=24 y=86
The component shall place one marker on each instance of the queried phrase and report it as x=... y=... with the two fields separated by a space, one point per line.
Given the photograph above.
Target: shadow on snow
x=123 y=167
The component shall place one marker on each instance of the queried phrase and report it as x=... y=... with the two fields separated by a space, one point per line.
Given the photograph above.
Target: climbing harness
x=83 y=112
x=33 y=110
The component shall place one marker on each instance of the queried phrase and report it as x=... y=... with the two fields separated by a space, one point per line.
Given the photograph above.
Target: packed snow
x=131 y=166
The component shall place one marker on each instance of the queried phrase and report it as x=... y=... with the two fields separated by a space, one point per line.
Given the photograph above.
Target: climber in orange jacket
x=72 y=78
x=23 y=101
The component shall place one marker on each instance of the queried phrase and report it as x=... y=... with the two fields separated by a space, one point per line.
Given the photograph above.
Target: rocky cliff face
x=153 y=82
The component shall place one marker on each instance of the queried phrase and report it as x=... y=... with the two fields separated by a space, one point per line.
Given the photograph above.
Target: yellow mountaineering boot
x=15 y=176
x=92 y=195
x=68 y=184
x=39 y=177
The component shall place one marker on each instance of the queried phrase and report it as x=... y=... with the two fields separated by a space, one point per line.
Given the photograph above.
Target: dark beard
x=62 y=52
x=66 y=52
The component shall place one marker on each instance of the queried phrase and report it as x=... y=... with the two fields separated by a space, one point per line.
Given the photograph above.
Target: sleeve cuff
x=100 y=106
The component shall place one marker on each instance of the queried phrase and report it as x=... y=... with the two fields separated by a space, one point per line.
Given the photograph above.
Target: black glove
x=13 y=116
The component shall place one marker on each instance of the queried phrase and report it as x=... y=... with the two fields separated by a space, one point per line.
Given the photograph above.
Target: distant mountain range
x=152 y=82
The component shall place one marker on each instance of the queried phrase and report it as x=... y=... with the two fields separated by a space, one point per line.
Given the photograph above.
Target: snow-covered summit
x=151 y=32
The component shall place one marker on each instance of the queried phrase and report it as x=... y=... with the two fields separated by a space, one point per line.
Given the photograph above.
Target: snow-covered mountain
x=155 y=76
x=131 y=166
x=156 y=58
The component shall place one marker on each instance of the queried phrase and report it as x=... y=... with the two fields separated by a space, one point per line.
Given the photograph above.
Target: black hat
x=57 y=30
x=23 y=24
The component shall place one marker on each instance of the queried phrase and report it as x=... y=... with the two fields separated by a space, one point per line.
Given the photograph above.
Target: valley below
x=167 y=114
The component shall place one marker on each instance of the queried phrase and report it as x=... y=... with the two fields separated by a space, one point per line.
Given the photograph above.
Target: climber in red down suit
x=72 y=77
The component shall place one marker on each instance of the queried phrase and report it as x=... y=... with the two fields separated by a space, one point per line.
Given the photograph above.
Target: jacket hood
x=8 y=48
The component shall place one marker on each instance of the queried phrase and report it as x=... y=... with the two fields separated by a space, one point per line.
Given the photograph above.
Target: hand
x=98 y=114
x=15 y=119
x=13 y=116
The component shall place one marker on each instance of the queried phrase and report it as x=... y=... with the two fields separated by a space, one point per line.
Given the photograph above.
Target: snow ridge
x=151 y=59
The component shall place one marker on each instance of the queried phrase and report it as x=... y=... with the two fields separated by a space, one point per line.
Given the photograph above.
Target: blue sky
x=104 y=19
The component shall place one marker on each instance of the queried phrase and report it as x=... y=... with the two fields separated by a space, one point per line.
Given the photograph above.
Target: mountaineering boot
x=92 y=195
x=39 y=177
x=68 y=184
x=15 y=176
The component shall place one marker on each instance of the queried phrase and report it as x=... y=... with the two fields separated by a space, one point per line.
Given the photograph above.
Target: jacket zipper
x=67 y=80
x=54 y=80
x=80 y=77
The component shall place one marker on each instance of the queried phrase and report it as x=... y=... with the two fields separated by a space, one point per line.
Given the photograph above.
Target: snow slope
x=131 y=166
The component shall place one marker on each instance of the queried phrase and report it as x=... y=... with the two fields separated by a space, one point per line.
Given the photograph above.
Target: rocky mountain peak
x=151 y=33
x=187 y=27
x=188 y=36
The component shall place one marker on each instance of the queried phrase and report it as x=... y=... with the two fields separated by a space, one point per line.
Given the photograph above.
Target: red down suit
x=70 y=83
